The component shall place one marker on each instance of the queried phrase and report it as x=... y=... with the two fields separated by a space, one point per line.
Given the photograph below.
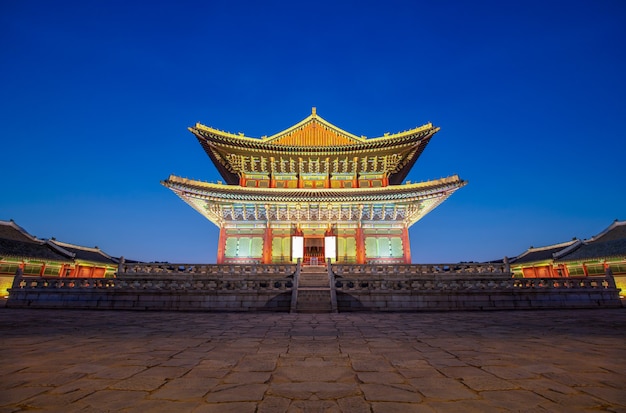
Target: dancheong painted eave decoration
x=314 y=191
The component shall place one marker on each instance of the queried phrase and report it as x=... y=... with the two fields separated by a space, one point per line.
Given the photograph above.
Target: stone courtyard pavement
x=120 y=361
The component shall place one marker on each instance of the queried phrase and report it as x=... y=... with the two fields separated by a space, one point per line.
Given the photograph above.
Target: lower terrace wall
x=164 y=287
x=463 y=287
x=187 y=287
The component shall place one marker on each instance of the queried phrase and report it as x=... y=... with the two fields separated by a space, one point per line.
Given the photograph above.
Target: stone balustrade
x=454 y=282
x=206 y=283
x=472 y=269
x=166 y=269
x=598 y=283
x=244 y=287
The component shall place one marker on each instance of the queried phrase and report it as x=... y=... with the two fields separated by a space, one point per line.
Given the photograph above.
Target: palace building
x=314 y=191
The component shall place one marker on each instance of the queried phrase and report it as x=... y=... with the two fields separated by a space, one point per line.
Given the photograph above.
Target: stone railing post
x=294 y=289
x=17 y=280
x=333 y=291
x=120 y=265
x=608 y=272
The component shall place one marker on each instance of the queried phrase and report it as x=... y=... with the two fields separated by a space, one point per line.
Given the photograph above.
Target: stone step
x=313 y=279
x=314 y=300
x=313 y=282
x=313 y=268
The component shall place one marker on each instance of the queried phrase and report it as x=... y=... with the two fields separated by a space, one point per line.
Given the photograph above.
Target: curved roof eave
x=229 y=193
x=359 y=142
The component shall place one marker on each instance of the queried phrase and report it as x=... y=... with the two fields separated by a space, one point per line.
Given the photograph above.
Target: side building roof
x=81 y=253
x=545 y=253
x=15 y=242
x=610 y=243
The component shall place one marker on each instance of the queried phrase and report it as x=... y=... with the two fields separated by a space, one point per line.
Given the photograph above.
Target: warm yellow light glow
x=297 y=247
x=330 y=247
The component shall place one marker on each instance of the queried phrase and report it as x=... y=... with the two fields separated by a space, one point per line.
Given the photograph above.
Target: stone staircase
x=313 y=290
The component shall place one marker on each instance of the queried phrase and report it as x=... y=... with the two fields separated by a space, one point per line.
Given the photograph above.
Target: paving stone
x=353 y=405
x=247 y=377
x=482 y=383
x=611 y=395
x=16 y=395
x=272 y=404
x=58 y=401
x=321 y=390
x=380 y=377
x=164 y=373
x=84 y=384
x=117 y=372
x=380 y=392
x=313 y=406
x=114 y=400
x=257 y=363
x=226 y=408
x=185 y=388
x=513 y=400
x=371 y=364
x=400 y=408
x=206 y=372
x=162 y=406
x=442 y=388
x=236 y=393
x=468 y=406
x=306 y=373
x=272 y=362
x=147 y=383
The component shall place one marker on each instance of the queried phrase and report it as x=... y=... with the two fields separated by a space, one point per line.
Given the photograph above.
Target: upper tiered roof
x=314 y=145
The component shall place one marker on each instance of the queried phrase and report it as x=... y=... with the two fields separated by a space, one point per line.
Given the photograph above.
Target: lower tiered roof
x=408 y=202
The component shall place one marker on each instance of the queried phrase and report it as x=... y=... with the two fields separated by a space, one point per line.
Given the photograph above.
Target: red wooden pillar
x=221 y=245
x=385 y=180
x=360 y=246
x=406 y=245
x=267 y=246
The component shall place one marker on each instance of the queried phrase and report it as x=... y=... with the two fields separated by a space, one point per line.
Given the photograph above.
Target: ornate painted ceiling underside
x=314 y=146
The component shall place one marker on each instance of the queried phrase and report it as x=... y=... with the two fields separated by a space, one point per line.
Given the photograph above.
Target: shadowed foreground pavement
x=99 y=361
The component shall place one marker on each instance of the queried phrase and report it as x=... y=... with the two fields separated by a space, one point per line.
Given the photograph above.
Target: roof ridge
x=60 y=249
x=608 y=229
x=314 y=117
x=531 y=250
x=13 y=224
x=81 y=247
x=568 y=249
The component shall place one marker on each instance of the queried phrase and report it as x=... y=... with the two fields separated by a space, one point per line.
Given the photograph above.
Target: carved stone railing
x=242 y=287
x=206 y=283
x=598 y=283
x=464 y=282
x=375 y=283
x=127 y=270
x=473 y=269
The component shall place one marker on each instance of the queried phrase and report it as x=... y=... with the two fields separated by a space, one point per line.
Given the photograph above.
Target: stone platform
x=294 y=288
x=129 y=361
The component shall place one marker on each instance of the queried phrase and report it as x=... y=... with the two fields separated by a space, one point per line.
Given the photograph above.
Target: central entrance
x=313 y=250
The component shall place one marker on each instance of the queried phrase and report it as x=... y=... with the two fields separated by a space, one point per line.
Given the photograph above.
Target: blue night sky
x=97 y=96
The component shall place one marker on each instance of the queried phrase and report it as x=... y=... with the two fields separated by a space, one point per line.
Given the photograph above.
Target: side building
x=578 y=258
x=47 y=258
x=313 y=191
